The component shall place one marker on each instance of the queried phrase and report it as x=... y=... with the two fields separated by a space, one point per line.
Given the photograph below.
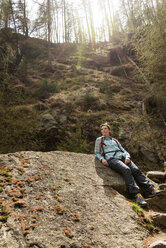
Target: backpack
x=102 y=147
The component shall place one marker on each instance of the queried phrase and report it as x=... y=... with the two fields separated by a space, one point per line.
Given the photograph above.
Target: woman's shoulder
x=99 y=138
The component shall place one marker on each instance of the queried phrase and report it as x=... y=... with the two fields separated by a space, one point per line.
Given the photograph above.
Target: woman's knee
x=126 y=170
x=123 y=168
x=135 y=170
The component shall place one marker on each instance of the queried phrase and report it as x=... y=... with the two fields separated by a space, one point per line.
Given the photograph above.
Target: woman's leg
x=126 y=172
x=140 y=178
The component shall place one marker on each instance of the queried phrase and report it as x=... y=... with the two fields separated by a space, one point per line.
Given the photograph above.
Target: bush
x=47 y=88
x=89 y=101
x=18 y=131
x=77 y=143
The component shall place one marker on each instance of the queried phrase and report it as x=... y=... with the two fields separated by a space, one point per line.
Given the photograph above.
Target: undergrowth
x=76 y=143
x=18 y=130
x=146 y=221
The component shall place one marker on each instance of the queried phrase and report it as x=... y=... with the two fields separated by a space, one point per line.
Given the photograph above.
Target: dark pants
x=132 y=176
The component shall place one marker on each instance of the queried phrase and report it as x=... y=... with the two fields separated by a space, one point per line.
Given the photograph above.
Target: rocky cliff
x=62 y=200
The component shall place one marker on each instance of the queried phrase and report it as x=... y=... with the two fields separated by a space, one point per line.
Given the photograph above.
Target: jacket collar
x=106 y=137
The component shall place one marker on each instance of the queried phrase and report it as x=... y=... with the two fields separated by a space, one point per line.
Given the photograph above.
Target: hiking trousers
x=133 y=176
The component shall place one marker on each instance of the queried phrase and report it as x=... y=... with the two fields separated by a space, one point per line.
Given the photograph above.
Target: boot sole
x=143 y=205
x=160 y=193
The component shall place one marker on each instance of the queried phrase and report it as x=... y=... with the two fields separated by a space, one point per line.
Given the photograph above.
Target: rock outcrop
x=64 y=200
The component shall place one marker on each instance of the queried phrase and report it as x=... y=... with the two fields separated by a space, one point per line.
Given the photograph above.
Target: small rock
x=159 y=219
x=156 y=176
x=165 y=165
x=162 y=186
x=158 y=203
x=7 y=189
x=158 y=244
x=74 y=246
x=63 y=119
x=48 y=123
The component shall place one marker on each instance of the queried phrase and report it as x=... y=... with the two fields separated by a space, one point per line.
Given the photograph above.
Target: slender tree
x=5 y=14
x=49 y=30
x=84 y=3
x=13 y=15
x=22 y=20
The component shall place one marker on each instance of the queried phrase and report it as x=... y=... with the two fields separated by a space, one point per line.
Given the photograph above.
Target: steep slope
x=62 y=200
x=60 y=107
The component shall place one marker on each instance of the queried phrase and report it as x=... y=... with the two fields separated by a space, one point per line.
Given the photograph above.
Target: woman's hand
x=127 y=160
x=104 y=162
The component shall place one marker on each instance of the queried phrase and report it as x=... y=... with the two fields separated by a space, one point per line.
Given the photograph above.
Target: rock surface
x=159 y=219
x=48 y=124
x=64 y=200
x=157 y=176
x=158 y=202
x=158 y=244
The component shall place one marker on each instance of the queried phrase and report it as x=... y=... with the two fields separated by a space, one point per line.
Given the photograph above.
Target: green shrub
x=76 y=143
x=18 y=131
x=108 y=87
x=88 y=101
x=46 y=88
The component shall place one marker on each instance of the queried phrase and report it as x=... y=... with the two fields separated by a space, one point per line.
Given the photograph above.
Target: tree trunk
x=49 y=31
x=12 y=12
x=25 y=21
x=87 y=21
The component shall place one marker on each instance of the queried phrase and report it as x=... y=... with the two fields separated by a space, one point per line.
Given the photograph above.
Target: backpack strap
x=117 y=144
x=102 y=147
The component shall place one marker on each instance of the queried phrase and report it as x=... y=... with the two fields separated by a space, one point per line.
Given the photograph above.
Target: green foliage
x=46 y=88
x=6 y=174
x=32 y=48
x=80 y=56
x=4 y=214
x=76 y=143
x=145 y=20
x=89 y=101
x=152 y=56
x=18 y=131
x=89 y=98
x=137 y=209
x=108 y=87
x=146 y=221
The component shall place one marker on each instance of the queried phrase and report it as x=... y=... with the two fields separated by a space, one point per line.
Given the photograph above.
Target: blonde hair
x=105 y=124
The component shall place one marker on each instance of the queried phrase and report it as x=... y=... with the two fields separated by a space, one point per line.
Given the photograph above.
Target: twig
x=145 y=79
x=122 y=64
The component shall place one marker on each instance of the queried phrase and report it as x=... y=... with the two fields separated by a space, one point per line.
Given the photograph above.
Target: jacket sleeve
x=125 y=153
x=97 y=149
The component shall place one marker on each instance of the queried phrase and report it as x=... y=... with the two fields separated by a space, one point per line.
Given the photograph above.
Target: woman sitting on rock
x=110 y=153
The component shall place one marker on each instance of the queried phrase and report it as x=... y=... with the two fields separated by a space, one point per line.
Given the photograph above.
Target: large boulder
x=59 y=199
x=110 y=178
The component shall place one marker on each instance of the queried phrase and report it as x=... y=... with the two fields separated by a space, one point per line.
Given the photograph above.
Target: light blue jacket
x=111 y=149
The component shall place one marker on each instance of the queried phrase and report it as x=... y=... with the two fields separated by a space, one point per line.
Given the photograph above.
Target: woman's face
x=105 y=131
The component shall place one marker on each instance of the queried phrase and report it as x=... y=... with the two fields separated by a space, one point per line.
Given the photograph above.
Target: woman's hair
x=105 y=124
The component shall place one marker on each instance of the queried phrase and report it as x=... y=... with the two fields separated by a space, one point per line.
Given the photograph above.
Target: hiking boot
x=156 y=192
x=140 y=200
